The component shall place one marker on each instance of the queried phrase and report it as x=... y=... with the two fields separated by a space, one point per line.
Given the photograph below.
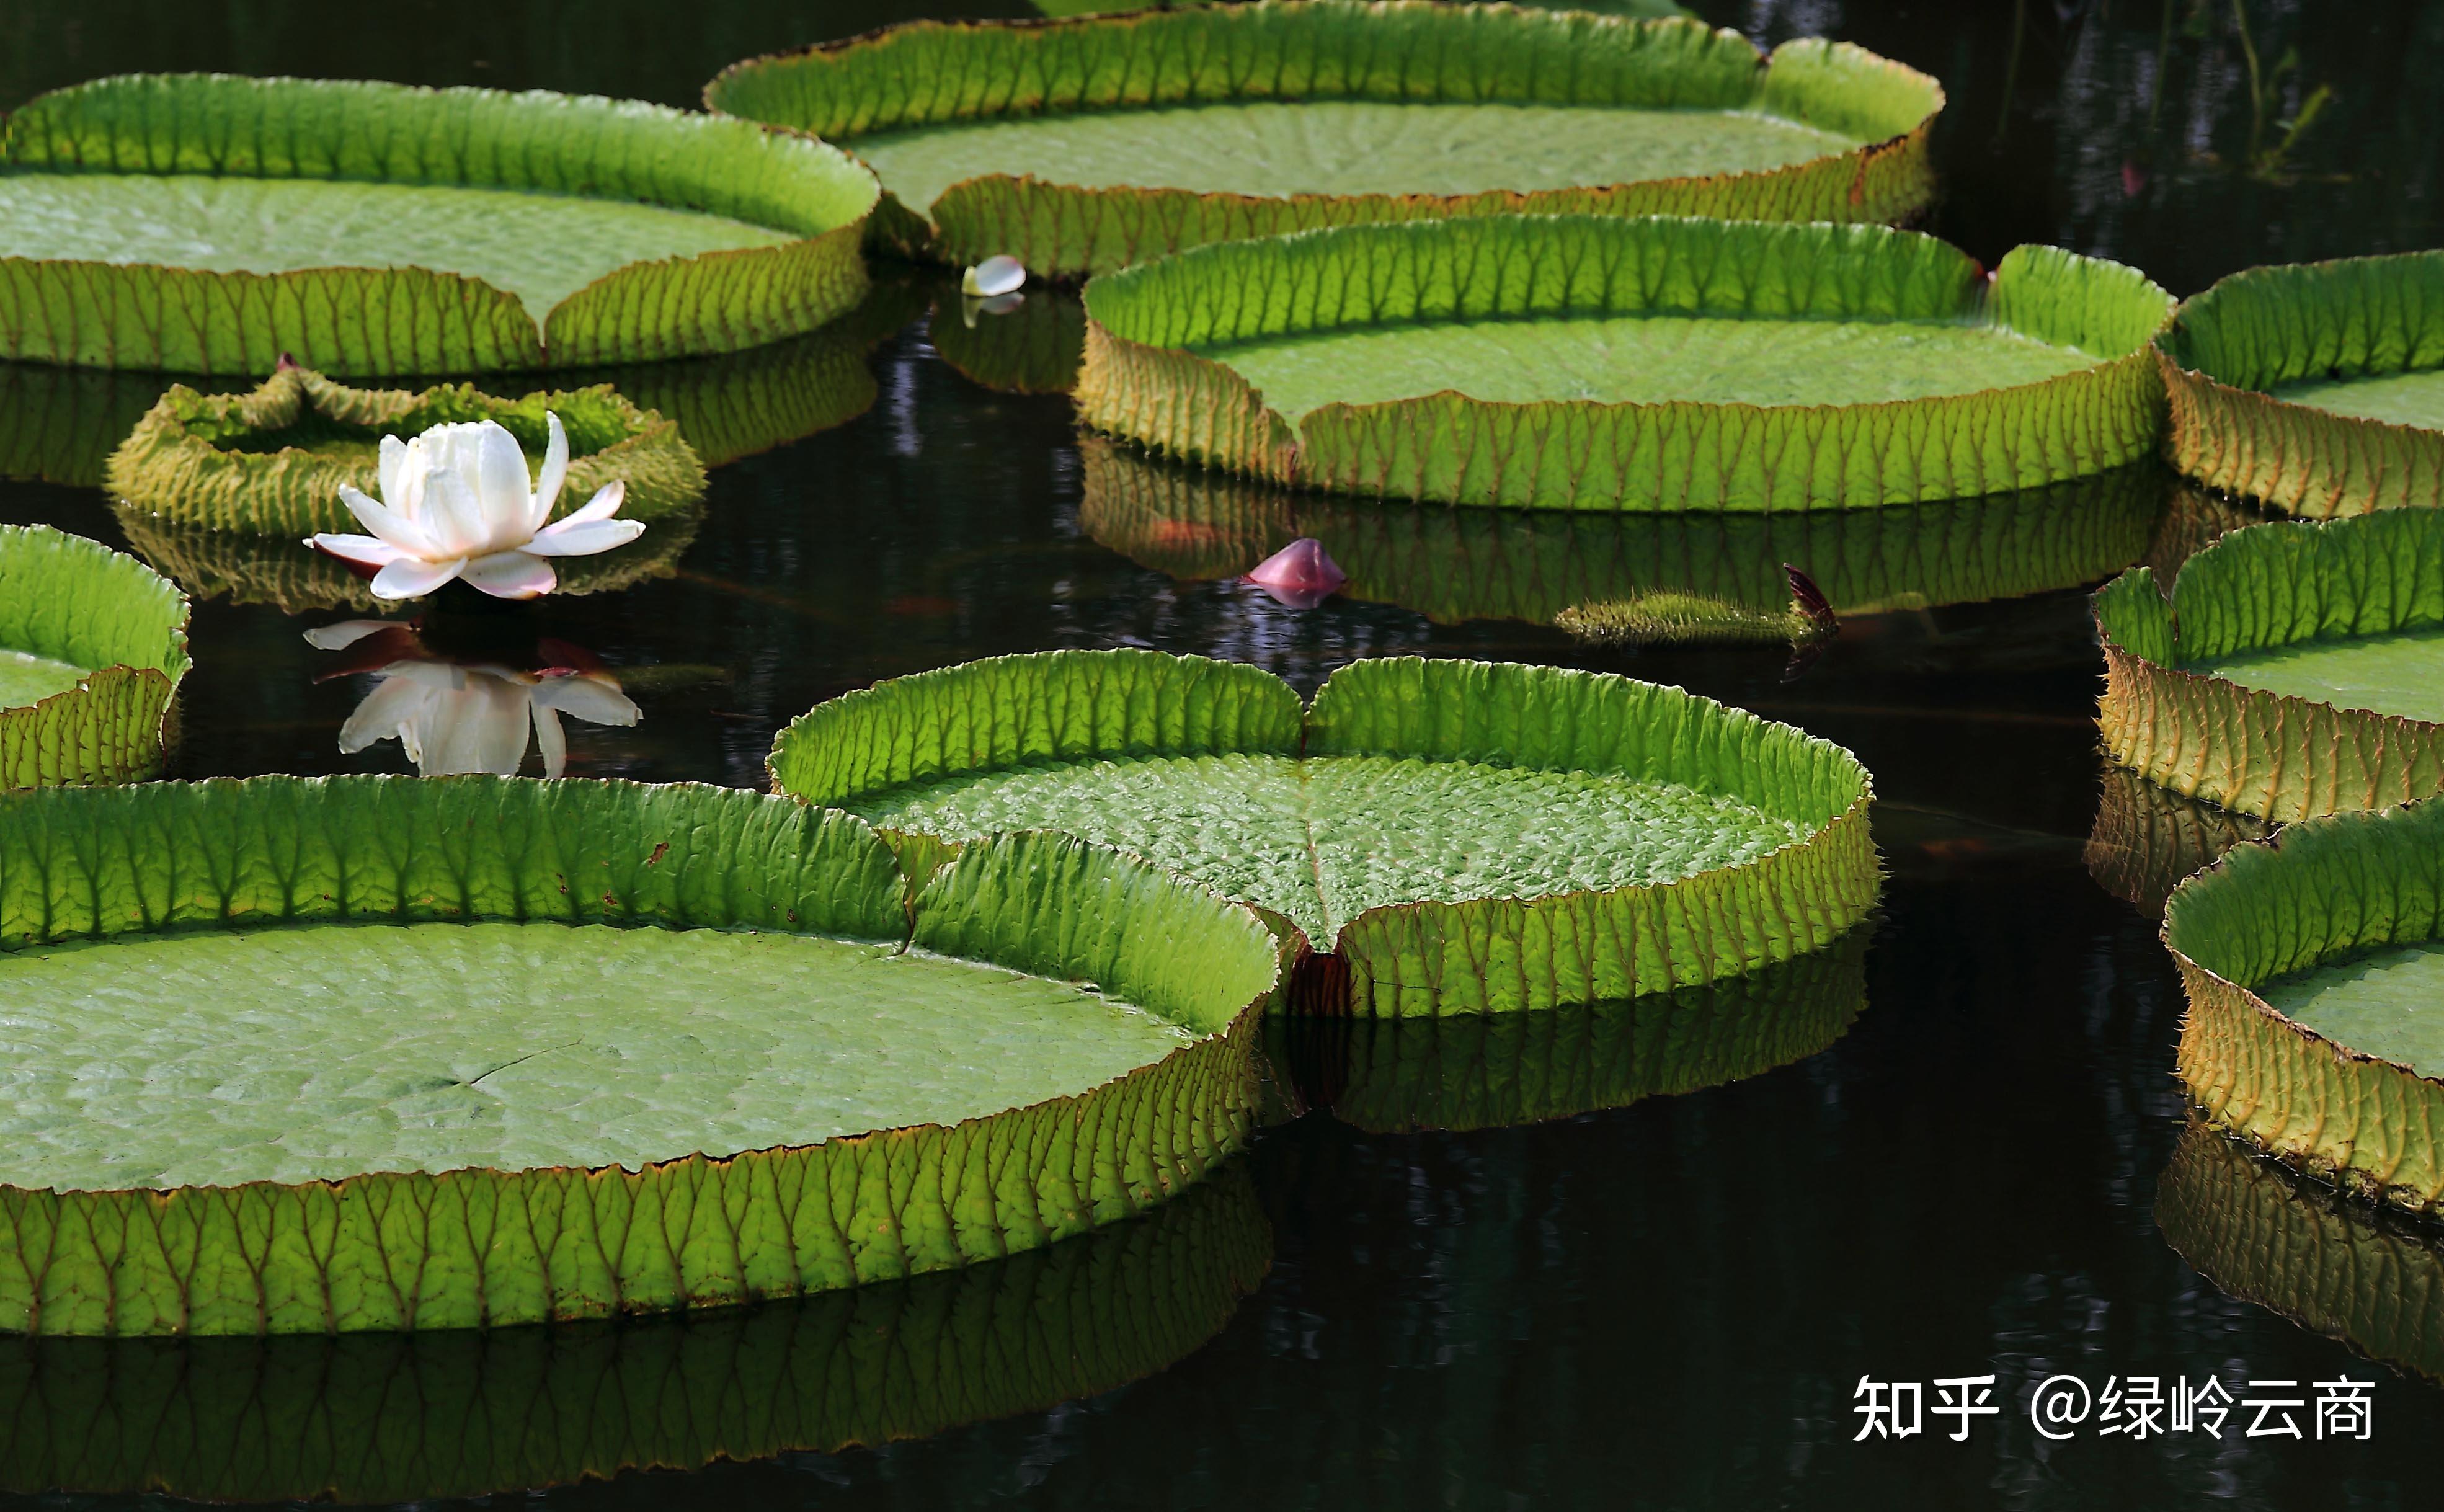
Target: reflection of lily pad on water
x=469 y=710
x=2314 y=966
x=418 y=231
x=703 y=1047
x=2148 y=840
x=1675 y=364
x=1495 y=1070
x=1033 y=348
x=2315 y=1256
x=1083 y=146
x=278 y=571
x=59 y=424
x=2316 y=388
x=1463 y=835
x=400 y=1417
x=1458 y=564
x=272 y=462
x=2298 y=667
x=92 y=649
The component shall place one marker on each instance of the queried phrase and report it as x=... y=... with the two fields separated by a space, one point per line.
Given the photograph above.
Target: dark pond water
x=1665 y=1304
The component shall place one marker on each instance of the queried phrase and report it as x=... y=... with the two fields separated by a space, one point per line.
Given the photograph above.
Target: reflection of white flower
x=457 y=503
x=994 y=275
x=470 y=717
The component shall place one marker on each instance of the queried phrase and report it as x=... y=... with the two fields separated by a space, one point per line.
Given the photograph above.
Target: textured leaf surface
x=116 y=632
x=2320 y=1260
x=2148 y=840
x=2288 y=675
x=2388 y=1003
x=272 y=462
x=2314 y=386
x=1500 y=1070
x=1459 y=565
x=208 y=223
x=1594 y=364
x=2327 y=894
x=396 y=1417
x=1086 y=145
x=1466 y=836
x=118 y=868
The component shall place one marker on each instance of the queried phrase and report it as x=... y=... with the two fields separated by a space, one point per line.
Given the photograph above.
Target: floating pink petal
x=1301 y=575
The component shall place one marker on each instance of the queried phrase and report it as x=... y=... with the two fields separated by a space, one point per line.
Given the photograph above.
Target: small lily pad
x=92 y=649
x=220 y=1006
x=1580 y=362
x=200 y=223
x=2293 y=671
x=1462 y=836
x=1085 y=146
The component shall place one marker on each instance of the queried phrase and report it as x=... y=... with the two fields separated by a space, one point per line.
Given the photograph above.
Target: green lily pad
x=92 y=649
x=390 y=998
x=1463 y=835
x=1085 y=146
x=2324 y=1261
x=2313 y=964
x=2149 y=839
x=363 y=1418
x=1500 y=1070
x=1551 y=567
x=272 y=462
x=295 y=579
x=2316 y=388
x=1580 y=362
x=211 y=224
x=2293 y=670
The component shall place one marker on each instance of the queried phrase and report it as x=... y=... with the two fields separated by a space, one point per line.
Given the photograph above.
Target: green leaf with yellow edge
x=93 y=646
x=695 y=1049
x=1463 y=835
x=1085 y=146
x=2316 y=388
x=212 y=224
x=1581 y=363
x=2292 y=673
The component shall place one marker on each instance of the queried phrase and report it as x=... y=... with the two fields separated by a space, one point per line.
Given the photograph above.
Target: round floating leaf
x=272 y=462
x=463 y=1412
x=295 y=579
x=1458 y=564
x=2297 y=670
x=2316 y=388
x=1579 y=362
x=2313 y=965
x=1085 y=146
x=2307 y=1252
x=1463 y=835
x=210 y=224
x=1497 y=1070
x=518 y=1051
x=2149 y=839
x=92 y=649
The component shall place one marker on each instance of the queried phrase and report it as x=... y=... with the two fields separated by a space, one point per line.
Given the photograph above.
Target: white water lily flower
x=456 y=502
x=994 y=275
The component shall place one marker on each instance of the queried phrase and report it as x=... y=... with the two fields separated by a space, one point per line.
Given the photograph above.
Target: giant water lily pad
x=1500 y=1070
x=1462 y=836
x=1083 y=146
x=371 y=1053
x=2149 y=839
x=410 y=1418
x=2314 y=966
x=2315 y=1256
x=272 y=462
x=92 y=649
x=2298 y=667
x=1458 y=564
x=1580 y=362
x=210 y=224
x=2316 y=388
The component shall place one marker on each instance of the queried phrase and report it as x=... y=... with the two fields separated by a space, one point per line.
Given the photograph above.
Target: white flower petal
x=994 y=275
x=454 y=516
x=584 y=538
x=389 y=525
x=549 y=742
x=512 y=575
x=500 y=481
x=348 y=633
x=595 y=700
x=364 y=549
x=604 y=504
x=555 y=472
x=392 y=471
x=394 y=706
x=410 y=577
